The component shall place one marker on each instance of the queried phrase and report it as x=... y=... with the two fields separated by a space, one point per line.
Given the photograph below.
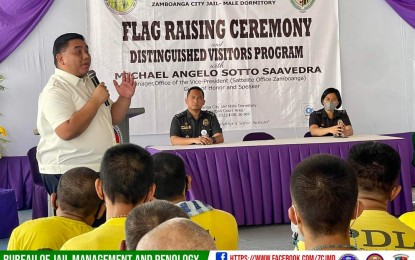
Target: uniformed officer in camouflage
x=328 y=120
x=194 y=125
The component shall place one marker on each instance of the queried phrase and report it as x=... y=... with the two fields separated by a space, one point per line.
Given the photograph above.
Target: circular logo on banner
x=302 y=5
x=308 y=110
x=120 y=6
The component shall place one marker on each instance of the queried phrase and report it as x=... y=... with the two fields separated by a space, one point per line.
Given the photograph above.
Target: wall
x=377 y=59
x=28 y=69
x=377 y=66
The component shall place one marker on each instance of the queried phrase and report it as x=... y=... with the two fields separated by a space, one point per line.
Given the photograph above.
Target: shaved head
x=147 y=216
x=177 y=234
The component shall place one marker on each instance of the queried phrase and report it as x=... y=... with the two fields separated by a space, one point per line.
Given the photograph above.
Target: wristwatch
x=214 y=139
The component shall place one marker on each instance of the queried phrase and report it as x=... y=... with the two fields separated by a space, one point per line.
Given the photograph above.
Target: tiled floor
x=267 y=237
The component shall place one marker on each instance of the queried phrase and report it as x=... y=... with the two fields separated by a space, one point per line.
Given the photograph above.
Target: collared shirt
x=321 y=118
x=184 y=125
x=194 y=207
x=63 y=95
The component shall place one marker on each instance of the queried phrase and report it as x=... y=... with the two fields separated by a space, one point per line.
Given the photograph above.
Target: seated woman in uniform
x=328 y=120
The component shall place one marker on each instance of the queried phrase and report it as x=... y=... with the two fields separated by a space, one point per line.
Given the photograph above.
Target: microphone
x=341 y=124
x=204 y=132
x=91 y=74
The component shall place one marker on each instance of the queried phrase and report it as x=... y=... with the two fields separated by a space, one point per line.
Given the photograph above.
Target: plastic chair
x=8 y=212
x=255 y=136
x=221 y=225
x=39 y=195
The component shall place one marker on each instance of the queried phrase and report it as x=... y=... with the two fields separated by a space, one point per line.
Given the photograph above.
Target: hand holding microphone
x=101 y=91
x=341 y=128
x=204 y=138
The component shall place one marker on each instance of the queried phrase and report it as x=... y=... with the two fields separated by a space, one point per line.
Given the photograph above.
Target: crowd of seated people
x=144 y=195
x=377 y=168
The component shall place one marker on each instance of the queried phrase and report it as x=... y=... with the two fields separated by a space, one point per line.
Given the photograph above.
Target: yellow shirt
x=409 y=219
x=51 y=232
x=108 y=236
x=378 y=230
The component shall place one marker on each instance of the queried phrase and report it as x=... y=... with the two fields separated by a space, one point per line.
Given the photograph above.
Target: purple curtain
x=17 y=19
x=405 y=8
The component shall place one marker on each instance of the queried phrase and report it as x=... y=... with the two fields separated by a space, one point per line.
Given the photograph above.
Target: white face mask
x=330 y=106
x=294 y=227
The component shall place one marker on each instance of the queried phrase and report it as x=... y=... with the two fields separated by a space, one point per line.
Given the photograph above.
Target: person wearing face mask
x=324 y=194
x=329 y=121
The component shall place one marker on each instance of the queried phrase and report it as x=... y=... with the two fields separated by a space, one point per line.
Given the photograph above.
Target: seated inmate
x=77 y=205
x=177 y=234
x=377 y=167
x=126 y=179
x=324 y=201
x=172 y=184
x=147 y=216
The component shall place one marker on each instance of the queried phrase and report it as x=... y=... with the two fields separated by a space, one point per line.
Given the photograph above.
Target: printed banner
x=261 y=64
x=206 y=255
x=311 y=255
x=103 y=255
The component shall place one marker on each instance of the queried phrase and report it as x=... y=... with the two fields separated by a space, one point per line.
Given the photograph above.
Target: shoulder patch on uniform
x=209 y=113
x=341 y=111
x=180 y=114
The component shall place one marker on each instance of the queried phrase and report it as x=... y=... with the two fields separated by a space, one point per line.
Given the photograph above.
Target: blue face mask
x=330 y=106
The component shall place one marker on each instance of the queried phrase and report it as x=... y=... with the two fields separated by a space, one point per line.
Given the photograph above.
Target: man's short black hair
x=324 y=192
x=76 y=191
x=147 y=216
x=127 y=173
x=329 y=91
x=195 y=88
x=170 y=176
x=61 y=43
x=377 y=166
